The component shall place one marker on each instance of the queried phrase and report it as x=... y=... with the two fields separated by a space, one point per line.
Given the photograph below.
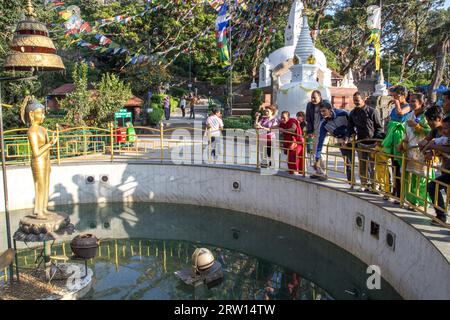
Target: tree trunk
x=349 y=65
x=256 y=62
x=441 y=54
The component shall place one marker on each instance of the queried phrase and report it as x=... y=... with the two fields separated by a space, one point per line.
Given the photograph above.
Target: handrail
x=82 y=128
x=93 y=144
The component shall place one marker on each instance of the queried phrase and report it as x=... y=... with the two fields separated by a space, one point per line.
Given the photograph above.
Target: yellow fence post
x=161 y=138
x=258 y=164
x=209 y=144
x=58 y=154
x=402 y=179
x=425 y=204
x=304 y=156
x=111 y=143
x=353 y=159
x=84 y=142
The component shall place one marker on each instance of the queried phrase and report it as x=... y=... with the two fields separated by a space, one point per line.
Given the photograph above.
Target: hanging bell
x=32 y=49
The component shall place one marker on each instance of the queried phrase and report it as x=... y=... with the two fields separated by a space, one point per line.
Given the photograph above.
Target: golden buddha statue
x=33 y=114
x=311 y=60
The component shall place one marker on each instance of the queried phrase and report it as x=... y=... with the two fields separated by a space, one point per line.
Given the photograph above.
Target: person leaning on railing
x=416 y=129
x=292 y=142
x=441 y=147
x=265 y=124
x=301 y=118
x=335 y=123
x=313 y=120
x=435 y=119
x=364 y=122
x=395 y=133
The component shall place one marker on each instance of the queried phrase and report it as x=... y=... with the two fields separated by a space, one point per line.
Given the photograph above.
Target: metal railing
x=249 y=148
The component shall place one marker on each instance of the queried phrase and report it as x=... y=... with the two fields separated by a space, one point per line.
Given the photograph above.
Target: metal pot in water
x=84 y=246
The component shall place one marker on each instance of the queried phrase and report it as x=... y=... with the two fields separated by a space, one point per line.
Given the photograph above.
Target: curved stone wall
x=416 y=268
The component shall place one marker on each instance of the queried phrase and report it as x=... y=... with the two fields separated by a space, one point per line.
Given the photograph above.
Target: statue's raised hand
x=54 y=139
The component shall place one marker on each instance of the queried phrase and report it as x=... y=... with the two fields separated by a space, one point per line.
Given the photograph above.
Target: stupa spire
x=381 y=80
x=29 y=10
x=305 y=47
x=294 y=24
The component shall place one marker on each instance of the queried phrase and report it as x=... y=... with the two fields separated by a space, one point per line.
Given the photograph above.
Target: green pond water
x=144 y=244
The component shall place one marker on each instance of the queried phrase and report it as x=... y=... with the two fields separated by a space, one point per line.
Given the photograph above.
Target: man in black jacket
x=313 y=119
x=364 y=121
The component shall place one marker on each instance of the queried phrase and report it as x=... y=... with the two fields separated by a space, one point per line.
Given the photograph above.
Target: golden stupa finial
x=30 y=10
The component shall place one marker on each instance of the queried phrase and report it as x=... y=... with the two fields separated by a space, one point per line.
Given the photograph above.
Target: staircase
x=242 y=98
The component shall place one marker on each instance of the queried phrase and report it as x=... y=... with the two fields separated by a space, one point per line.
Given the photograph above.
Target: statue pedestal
x=37 y=230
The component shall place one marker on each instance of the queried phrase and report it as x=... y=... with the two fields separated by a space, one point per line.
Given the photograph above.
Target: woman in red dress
x=293 y=142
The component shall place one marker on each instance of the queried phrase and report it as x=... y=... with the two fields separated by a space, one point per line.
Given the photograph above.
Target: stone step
x=241 y=106
x=242 y=100
x=242 y=112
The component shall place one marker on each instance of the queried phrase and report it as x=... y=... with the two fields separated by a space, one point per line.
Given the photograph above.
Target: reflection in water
x=286 y=255
x=144 y=269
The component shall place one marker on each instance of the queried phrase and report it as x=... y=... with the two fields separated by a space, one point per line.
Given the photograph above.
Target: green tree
x=11 y=118
x=257 y=100
x=440 y=41
x=414 y=40
x=112 y=94
x=146 y=77
x=78 y=103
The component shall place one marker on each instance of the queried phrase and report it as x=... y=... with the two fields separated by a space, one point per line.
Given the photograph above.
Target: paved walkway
x=176 y=119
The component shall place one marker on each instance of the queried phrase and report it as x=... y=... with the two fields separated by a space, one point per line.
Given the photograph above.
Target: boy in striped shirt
x=214 y=124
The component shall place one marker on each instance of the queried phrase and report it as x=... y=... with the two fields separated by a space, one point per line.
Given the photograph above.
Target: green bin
x=131 y=134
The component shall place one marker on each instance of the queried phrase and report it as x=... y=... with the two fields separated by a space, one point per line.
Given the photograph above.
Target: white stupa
x=285 y=53
x=295 y=95
x=348 y=81
x=296 y=69
x=380 y=87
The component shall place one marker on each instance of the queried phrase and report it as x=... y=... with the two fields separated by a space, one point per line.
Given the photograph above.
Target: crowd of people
x=413 y=131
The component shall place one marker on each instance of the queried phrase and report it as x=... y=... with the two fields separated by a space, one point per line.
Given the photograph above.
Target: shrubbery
x=213 y=104
x=155 y=106
x=158 y=99
x=174 y=103
x=56 y=113
x=50 y=123
x=218 y=81
x=240 y=122
x=84 y=108
x=155 y=116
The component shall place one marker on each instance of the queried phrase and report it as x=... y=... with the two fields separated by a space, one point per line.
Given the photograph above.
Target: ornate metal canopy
x=32 y=49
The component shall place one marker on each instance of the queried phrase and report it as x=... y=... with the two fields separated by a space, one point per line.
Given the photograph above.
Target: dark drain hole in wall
x=375 y=229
